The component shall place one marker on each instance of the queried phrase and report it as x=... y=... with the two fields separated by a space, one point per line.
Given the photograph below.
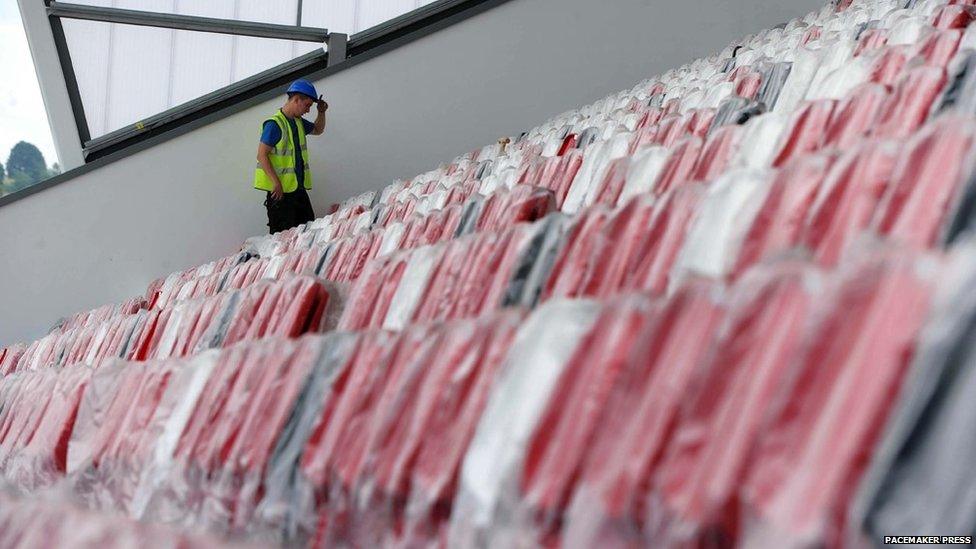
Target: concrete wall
x=102 y=236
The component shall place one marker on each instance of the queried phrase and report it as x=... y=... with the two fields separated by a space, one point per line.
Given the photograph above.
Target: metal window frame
x=64 y=10
x=346 y=52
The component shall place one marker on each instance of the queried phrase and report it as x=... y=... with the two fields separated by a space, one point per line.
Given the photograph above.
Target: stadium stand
x=728 y=307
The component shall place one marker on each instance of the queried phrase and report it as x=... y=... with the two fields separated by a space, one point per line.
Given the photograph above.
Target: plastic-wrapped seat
x=349 y=255
x=960 y=91
x=337 y=443
x=805 y=131
x=760 y=142
x=679 y=166
x=953 y=16
x=848 y=199
x=693 y=495
x=41 y=459
x=559 y=440
x=447 y=365
x=920 y=478
x=27 y=395
x=855 y=116
x=774 y=77
x=601 y=252
x=606 y=503
x=717 y=153
x=928 y=178
x=596 y=160
x=909 y=104
x=802 y=72
x=939 y=47
x=496 y=453
x=736 y=110
x=799 y=488
x=256 y=412
x=871 y=40
x=672 y=218
x=371 y=295
x=575 y=261
x=645 y=165
x=474 y=275
x=522 y=203
x=182 y=329
x=721 y=223
x=889 y=64
x=778 y=224
x=556 y=174
x=9 y=357
x=105 y=417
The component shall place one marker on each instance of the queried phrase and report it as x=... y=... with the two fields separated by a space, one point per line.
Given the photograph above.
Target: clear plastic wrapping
x=489 y=473
x=692 y=500
x=39 y=460
x=920 y=478
x=536 y=261
x=760 y=141
x=571 y=420
x=926 y=181
x=645 y=166
x=800 y=486
x=855 y=116
x=847 y=199
x=960 y=91
x=778 y=224
x=604 y=509
x=277 y=517
x=596 y=160
x=721 y=224
x=805 y=132
x=37 y=523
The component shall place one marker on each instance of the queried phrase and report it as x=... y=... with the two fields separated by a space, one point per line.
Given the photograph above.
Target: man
x=283 y=170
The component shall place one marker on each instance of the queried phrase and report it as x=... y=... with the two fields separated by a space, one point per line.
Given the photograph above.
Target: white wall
x=102 y=236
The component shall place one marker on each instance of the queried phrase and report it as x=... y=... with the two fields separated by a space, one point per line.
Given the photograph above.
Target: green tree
x=26 y=165
x=55 y=170
x=3 y=174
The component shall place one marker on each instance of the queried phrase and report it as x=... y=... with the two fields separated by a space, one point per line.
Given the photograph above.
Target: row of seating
x=700 y=417
x=41 y=524
x=682 y=315
x=288 y=307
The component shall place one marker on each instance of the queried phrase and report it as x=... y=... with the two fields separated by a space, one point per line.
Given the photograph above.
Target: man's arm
x=265 y=162
x=322 y=106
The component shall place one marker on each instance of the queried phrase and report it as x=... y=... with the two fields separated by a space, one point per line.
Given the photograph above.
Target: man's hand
x=321 y=105
x=278 y=192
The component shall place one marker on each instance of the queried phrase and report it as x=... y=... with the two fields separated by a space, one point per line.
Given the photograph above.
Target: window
x=27 y=154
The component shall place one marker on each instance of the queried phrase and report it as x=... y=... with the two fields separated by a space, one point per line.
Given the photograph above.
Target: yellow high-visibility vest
x=282 y=158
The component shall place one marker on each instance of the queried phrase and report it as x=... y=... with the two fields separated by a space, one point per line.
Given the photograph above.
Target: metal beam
x=186 y=22
x=337 y=47
x=68 y=70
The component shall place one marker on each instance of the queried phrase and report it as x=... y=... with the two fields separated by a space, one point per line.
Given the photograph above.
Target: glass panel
x=127 y=73
x=352 y=16
x=279 y=11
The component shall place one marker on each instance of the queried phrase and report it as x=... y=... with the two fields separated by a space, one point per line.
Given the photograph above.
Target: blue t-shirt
x=271 y=135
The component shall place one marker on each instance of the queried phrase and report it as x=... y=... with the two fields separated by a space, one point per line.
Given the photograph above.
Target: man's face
x=304 y=103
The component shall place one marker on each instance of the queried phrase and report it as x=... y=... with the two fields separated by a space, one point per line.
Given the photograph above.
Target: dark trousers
x=292 y=210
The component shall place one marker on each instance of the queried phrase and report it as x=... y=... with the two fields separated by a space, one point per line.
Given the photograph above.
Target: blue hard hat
x=303 y=87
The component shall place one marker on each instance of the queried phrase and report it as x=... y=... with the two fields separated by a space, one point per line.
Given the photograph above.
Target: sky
x=22 y=114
